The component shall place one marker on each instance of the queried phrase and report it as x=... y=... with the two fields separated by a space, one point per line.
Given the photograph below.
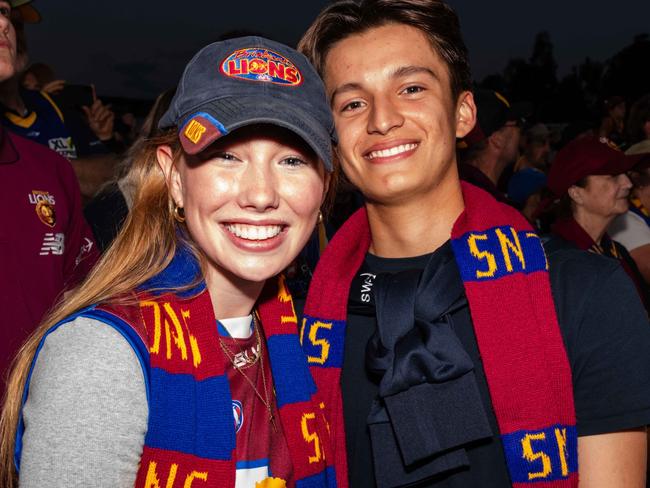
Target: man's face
x=395 y=117
x=511 y=136
x=7 y=42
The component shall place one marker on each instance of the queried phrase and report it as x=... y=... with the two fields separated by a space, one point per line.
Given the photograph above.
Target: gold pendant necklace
x=267 y=398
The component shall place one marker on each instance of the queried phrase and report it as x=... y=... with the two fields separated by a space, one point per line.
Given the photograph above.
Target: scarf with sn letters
x=505 y=276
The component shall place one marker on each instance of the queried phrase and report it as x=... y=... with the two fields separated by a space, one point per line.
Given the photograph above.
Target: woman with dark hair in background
x=589 y=177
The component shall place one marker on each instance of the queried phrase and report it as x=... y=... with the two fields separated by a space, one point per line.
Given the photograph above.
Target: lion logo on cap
x=264 y=65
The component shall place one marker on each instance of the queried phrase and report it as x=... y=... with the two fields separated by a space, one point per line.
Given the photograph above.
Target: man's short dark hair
x=434 y=18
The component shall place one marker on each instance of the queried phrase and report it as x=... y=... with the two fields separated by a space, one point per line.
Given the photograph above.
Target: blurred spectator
x=528 y=180
x=525 y=189
x=638 y=126
x=493 y=143
x=46 y=245
x=612 y=123
x=86 y=142
x=536 y=148
x=588 y=175
x=37 y=76
x=107 y=211
x=632 y=229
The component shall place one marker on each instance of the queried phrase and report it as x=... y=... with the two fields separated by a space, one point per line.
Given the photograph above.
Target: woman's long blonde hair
x=143 y=248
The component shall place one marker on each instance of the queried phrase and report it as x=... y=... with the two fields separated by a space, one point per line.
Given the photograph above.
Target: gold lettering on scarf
x=311 y=437
x=166 y=317
x=507 y=245
x=482 y=255
x=531 y=456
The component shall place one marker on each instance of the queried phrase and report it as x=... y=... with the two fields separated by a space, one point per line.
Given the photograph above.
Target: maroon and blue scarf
x=505 y=276
x=190 y=438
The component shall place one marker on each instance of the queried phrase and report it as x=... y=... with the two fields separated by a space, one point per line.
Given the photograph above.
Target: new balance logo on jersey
x=53 y=244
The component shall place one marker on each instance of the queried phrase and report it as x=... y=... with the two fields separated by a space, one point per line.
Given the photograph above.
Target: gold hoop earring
x=320 y=217
x=179 y=214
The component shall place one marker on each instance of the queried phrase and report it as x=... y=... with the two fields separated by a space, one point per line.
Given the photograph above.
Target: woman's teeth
x=254 y=232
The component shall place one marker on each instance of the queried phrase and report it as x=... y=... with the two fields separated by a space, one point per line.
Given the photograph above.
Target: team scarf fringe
x=505 y=274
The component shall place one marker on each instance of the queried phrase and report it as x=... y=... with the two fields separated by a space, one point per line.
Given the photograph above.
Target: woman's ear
x=165 y=156
x=575 y=193
x=465 y=114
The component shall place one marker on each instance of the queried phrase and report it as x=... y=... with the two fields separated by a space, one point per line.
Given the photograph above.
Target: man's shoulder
x=564 y=257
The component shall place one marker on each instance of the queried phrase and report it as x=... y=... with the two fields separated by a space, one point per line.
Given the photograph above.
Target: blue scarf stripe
x=291 y=376
x=498 y=252
x=324 y=479
x=550 y=454
x=177 y=402
x=322 y=341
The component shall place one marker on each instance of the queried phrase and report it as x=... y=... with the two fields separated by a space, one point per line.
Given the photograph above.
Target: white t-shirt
x=630 y=230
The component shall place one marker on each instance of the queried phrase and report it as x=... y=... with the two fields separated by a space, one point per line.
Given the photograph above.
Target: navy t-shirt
x=606 y=334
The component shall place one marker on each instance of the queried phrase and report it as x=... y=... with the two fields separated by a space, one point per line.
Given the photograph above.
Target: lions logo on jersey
x=238 y=414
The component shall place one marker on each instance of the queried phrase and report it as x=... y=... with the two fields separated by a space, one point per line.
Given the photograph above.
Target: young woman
x=177 y=363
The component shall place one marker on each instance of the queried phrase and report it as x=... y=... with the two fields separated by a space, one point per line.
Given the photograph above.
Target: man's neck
x=415 y=227
x=10 y=96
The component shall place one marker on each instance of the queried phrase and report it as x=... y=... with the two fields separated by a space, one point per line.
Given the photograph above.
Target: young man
x=462 y=353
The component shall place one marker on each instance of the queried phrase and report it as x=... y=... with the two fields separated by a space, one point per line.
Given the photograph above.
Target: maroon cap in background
x=586 y=156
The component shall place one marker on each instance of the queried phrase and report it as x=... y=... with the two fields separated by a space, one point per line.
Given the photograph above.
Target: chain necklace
x=242 y=359
x=267 y=398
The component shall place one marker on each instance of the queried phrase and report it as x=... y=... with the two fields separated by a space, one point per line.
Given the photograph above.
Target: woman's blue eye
x=294 y=161
x=226 y=156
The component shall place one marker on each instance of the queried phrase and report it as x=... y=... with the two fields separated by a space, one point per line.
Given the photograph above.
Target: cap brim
x=232 y=113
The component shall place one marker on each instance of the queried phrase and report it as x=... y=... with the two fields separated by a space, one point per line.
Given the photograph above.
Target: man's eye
x=352 y=106
x=413 y=89
x=5 y=11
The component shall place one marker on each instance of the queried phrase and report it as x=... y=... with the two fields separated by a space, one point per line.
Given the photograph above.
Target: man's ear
x=165 y=156
x=496 y=139
x=465 y=114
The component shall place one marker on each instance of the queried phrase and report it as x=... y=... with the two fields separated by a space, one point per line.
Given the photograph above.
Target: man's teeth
x=393 y=151
x=254 y=232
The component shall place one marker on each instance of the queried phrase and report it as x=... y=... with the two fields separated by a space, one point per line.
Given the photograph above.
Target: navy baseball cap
x=494 y=111
x=250 y=80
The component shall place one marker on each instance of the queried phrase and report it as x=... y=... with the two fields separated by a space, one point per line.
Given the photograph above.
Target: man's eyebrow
x=400 y=72
x=344 y=88
x=403 y=71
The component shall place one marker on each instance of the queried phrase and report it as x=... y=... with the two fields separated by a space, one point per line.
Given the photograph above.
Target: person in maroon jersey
x=45 y=246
